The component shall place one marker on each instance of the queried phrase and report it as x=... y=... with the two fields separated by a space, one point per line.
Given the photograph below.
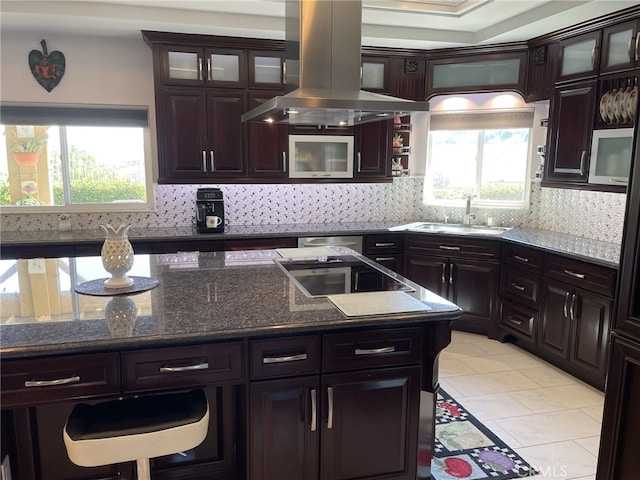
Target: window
x=484 y=154
x=74 y=159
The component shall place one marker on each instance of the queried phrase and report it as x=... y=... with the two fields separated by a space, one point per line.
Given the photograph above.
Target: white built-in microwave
x=611 y=156
x=318 y=156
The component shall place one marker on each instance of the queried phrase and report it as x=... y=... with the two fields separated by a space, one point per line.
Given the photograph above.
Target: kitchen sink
x=453 y=228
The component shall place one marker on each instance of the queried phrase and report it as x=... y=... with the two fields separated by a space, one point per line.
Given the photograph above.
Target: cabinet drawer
x=34 y=381
x=284 y=357
x=182 y=366
x=518 y=320
x=383 y=244
x=520 y=286
x=522 y=257
x=450 y=246
x=369 y=349
x=592 y=277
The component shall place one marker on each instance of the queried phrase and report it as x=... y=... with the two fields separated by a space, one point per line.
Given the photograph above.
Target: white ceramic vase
x=117 y=256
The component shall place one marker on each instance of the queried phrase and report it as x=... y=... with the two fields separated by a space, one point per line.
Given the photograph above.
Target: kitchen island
x=353 y=398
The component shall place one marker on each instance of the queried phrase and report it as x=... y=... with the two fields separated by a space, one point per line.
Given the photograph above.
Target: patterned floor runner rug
x=466 y=449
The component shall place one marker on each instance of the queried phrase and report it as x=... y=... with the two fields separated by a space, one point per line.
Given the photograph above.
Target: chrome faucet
x=468 y=216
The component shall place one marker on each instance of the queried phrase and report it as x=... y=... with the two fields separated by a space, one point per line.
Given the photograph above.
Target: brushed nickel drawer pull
x=444 y=273
x=314 y=411
x=185 y=368
x=52 y=383
x=204 y=161
x=566 y=300
x=522 y=259
x=574 y=274
x=375 y=351
x=385 y=244
x=285 y=358
x=447 y=247
x=518 y=287
x=382 y=259
x=513 y=320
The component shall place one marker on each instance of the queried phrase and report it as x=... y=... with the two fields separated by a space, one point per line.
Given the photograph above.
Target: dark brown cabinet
x=389 y=72
x=571 y=126
x=372 y=142
x=620 y=47
x=541 y=71
x=465 y=271
x=579 y=56
x=386 y=249
x=200 y=134
x=267 y=143
x=329 y=418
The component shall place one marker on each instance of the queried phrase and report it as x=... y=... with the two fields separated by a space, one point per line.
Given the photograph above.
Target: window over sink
x=74 y=159
x=484 y=154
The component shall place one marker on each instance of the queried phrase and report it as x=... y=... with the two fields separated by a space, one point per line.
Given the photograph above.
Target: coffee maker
x=209 y=210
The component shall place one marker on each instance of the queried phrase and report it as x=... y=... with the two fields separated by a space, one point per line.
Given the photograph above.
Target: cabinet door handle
x=284 y=72
x=284 y=162
x=385 y=244
x=52 y=383
x=513 y=320
x=213 y=165
x=518 y=287
x=285 y=358
x=384 y=259
x=444 y=273
x=204 y=161
x=375 y=351
x=572 y=312
x=637 y=55
x=522 y=259
x=574 y=274
x=199 y=68
x=185 y=368
x=209 y=68
x=314 y=410
x=450 y=274
x=566 y=301
x=593 y=56
x=447 y=247
x=359 y=162
x=582 y=157
x=330 y=408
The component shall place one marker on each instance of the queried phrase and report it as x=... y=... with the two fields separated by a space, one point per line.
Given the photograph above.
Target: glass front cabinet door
x=620 y=47
x=198 y=66
x=266 y=70
x=579 y=56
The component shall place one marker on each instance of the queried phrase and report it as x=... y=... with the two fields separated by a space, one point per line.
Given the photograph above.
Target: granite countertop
x=201 y=297
x=582 y=248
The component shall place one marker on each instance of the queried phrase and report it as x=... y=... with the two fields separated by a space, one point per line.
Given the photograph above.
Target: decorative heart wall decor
x=46 y=68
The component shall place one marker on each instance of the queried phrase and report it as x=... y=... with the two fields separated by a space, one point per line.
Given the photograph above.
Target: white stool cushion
x=136 y=428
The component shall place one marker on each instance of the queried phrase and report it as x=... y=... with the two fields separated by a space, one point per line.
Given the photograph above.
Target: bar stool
x=136 y=429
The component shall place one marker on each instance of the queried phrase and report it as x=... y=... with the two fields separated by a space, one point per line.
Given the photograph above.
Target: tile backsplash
x=596 y=215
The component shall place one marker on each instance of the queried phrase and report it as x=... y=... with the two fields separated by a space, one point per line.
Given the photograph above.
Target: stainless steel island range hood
x=323 y=55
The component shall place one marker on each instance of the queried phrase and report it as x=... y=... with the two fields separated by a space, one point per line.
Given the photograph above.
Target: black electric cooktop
x=322 y=276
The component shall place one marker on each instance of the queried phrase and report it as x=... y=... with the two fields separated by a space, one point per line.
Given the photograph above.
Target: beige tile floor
x=549 y=417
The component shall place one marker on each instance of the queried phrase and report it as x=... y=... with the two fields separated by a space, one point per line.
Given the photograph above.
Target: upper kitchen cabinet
x=266 y=71
x=375 y=74
x=199 y=134
x=467 y=70
x=202 y=66
x=399 y=73
x=579 y=56
x=372 y=142
x=571 y=126
x=540 y=72
x=620 y=47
